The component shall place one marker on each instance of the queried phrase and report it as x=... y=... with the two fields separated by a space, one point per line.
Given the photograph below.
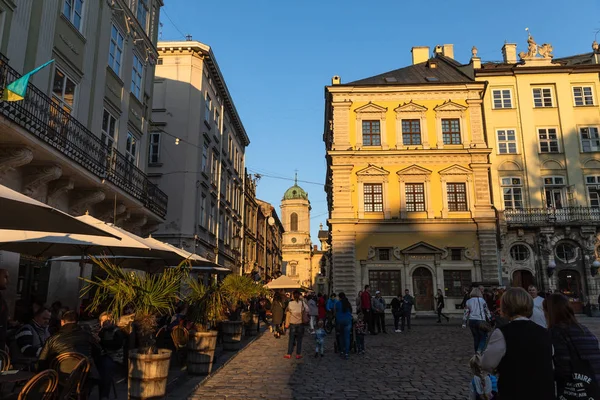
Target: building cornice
x=425 y=87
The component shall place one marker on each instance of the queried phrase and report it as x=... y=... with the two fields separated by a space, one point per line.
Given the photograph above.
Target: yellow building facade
x=407 y=182
x=543 y=121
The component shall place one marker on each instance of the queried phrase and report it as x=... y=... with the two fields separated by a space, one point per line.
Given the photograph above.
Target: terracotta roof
x=447 y=70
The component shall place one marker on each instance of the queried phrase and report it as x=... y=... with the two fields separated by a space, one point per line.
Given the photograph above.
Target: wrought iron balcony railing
x=47 y=121
x=552 y=216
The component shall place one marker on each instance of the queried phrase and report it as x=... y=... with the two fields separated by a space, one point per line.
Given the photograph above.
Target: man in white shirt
x=538 y=315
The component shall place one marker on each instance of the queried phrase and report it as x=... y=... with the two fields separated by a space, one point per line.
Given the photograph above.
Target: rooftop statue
x=533 y=49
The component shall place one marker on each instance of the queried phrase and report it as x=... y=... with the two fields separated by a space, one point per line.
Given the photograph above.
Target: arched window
x=294 y=222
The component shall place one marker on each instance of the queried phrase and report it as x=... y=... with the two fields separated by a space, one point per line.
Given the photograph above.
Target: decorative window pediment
x=450 y=106
x=422 y=248
x=456 y=170
x=371 y=108
x=372 y=170
x=414 y=170
x=410 y=107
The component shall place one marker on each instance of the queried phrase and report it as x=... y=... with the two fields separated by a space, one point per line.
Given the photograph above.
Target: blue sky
x=277 y=56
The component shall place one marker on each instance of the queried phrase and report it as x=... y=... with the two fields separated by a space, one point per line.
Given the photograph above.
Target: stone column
x=488 y=250
x=343 y=248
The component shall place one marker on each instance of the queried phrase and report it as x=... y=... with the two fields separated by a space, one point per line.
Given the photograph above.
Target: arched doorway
x=569 y=284
x=522 y=278
x=423 y=288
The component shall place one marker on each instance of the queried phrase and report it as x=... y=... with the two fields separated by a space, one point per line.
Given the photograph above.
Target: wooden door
x=522 y=278
x=423 y=288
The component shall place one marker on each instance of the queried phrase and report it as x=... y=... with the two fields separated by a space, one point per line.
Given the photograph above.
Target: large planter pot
x=148 y=374
x=201 y=352
x=232 y=335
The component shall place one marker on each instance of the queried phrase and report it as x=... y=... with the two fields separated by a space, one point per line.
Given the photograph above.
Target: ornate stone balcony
x=550 y=216
x=44 y=119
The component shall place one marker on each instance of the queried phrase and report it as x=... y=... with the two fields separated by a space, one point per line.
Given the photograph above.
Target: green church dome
x=295 y=192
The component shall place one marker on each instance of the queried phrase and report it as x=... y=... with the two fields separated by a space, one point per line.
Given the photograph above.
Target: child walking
x=483 y=386
x=360 y=331
x=320 y=339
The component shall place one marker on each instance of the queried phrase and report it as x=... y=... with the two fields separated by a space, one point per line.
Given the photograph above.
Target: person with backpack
x=483 y=386
x=343 y=323
x=396 y=305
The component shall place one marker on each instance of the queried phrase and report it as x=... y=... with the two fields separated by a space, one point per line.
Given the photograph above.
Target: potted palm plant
x=149 y=296
x=207 y=309
x=237 y=290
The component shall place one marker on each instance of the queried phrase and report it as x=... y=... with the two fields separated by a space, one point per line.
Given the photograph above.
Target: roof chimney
x=509 y=53
x=336 y=80
x=448 y=50
x=420 y=54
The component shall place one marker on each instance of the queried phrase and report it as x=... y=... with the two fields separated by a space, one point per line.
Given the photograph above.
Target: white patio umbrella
x=20 y=212
x=283 y=282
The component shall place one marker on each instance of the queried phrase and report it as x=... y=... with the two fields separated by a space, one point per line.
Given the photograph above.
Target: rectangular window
x=411 y=132
x=507 y=141
x=205 y=157
x=154 y=153
x=548 y=140
x=582 y=95
x=590 y=140
x=451 y=131
x=73 y=10
x=202 y=215
x=457 y=196
x=214 y=168
x=502 y=98
x=512 y=192
x=373 y=197
x=456 y=254
x=455 y=281
x=415 y=196
x=371 y=133
x=593 y=190
x=207 y=107
x=137 y=74
x=115 y=52
x=109 y=129
x=542 y=97
x=142 y=14
x=554 y=191
x=131 y=148
x=387 y=282
x=63 y=91
x=217 y=119
x=211 y=218
x=383 y=254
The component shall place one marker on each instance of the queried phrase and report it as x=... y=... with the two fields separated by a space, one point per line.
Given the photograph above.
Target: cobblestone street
x=430 y=362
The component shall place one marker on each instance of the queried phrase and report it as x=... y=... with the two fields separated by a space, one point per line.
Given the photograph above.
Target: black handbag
x=582 y=384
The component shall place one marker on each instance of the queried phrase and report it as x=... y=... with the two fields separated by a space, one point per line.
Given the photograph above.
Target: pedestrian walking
x=360 y=330
x=378 y=305
x=538 y=309
x=277 y=313
x=313 y=311
x=477 y=316
x=365 y=304
x=576 y=350
x=321 y=301
x=396 y=305
x=320 y=335
x=520 y=352
x=343 y=321
x=440 y=306
x=483 y=386
x=296 y=313
x=407 y=304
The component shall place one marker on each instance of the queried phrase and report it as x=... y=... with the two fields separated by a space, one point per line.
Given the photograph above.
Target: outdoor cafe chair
x=41 y=387
x=5 y=360
x=74 y=387
x=180 y=337
x=65 y=363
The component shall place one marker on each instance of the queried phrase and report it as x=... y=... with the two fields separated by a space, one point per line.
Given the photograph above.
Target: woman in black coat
x=277 y=311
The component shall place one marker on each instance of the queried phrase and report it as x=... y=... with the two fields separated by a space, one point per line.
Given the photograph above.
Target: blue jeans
x=479 y=336
x=344 y=328
x=360 y=343
x=296 y=334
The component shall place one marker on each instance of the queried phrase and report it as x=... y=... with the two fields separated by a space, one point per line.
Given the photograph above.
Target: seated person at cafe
x=112 y=338
x=31 y=337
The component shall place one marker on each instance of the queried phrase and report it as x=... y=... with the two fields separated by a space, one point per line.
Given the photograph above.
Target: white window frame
x=60 y=100
x=593 y=132
x=205 y=159
x=415 y=174
x=592 y=182
x=73 y=12
x=456 y=176
x=452 y=111
x=142 y=5
x=583 y=98
x=505 y=144
x=207 y=107
x=108 y=138
x=371 y=112
x=211 y=218
x=411 y=111
x=377 y=176
x=557 y=182
x=508 y=183
x=502 y=98
x=137 y=77
x=203 y=210
x=114 y=46
x=154 y=142
x=548 y=140
x=131 y=148
x=543 y=98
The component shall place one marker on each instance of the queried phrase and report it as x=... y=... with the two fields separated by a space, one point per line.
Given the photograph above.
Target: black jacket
x=70 y=338
x=396 y=305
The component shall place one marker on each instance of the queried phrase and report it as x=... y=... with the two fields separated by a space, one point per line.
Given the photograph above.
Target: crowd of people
x=529 y=347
